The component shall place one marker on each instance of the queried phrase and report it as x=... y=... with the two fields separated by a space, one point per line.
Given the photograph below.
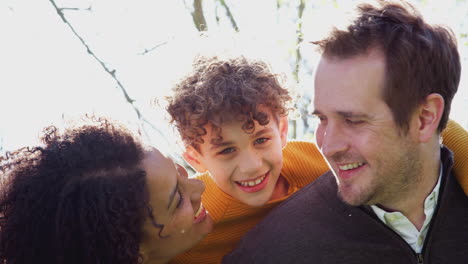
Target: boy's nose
x=250 y=162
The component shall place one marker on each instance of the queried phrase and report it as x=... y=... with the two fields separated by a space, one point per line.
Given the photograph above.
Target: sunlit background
x=113 y=57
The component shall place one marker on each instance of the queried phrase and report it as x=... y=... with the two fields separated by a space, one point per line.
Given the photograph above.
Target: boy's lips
x=254 y=185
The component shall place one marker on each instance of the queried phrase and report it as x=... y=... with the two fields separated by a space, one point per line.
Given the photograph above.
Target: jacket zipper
x=420 y=258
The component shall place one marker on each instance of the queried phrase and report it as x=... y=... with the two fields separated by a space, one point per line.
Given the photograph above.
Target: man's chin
x=352 y=198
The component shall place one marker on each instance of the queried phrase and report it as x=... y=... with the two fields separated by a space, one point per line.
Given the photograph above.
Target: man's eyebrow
x=171 y=197
x=316 y=112
x=347 y=114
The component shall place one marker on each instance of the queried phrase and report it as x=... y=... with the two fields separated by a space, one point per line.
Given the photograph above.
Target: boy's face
x=245 y=166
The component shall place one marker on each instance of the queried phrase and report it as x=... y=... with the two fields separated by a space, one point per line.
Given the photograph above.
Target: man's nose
x=333 y=141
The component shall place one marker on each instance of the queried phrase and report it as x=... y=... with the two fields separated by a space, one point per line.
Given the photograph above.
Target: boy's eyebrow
x=171 y=197
x=262 y=131
x=222 y=144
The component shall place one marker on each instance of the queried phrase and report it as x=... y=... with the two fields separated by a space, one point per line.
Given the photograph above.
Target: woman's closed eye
x=181 y=199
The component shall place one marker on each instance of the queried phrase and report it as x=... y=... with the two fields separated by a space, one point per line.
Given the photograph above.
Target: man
x=383 y=90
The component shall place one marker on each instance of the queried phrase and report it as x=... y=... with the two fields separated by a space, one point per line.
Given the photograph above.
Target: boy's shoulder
x=214 y=199
x=301 y=151
x=302 y=163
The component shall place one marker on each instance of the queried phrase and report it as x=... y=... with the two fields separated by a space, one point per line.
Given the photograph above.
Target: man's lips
x=254 y=185
x=348 y=170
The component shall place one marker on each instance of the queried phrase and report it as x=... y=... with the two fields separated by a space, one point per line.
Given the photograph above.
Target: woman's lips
x=200 y=215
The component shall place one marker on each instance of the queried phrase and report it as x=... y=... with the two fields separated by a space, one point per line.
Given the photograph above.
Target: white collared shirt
x=403 y=227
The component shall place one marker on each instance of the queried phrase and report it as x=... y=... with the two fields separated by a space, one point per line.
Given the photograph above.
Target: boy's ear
x=192 y=157
x=283 y=129
x=428 y=116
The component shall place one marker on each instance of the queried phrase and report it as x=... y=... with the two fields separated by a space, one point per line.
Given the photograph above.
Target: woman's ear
x=192 y=157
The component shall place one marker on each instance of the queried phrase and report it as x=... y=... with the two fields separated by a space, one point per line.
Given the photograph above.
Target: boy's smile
x=244 y=165
x=254 y=185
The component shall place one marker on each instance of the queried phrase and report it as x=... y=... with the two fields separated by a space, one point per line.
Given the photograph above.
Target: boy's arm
x=455 y=137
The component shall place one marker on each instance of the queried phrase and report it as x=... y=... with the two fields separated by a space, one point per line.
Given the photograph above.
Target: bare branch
x=198 y=16
x=300 y=12
x=109 y=71
x=153 y=48
x=299 y=39
x=75 y=9
x=229 y=14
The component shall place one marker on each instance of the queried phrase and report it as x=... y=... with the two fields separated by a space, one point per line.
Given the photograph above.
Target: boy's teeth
x=350 y=166
x=252 y=183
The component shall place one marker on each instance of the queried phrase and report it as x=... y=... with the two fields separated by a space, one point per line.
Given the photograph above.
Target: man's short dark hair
x=420 y=58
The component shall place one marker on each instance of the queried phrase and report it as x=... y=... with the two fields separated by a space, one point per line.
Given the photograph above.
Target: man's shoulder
x=305 y=203
x=324 y=188
x=300 y=221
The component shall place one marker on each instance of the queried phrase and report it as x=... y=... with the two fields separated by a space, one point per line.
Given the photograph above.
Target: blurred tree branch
x=75 y=9
x=153 y=48
x=300 y=12
x=112 y=72
x=198 y=16
x=229 y=15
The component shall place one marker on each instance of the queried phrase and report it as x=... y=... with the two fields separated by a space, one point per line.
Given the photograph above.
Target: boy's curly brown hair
x=80 y=198
x=220 y=90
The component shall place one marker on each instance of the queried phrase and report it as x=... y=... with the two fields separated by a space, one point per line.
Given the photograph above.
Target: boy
x=231 y=115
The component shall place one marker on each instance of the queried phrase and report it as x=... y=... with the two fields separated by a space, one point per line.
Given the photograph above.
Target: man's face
x=246 y=166
x=374 y=162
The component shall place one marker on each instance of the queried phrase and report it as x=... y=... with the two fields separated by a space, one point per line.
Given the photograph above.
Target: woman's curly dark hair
x=80 y=198
x=219 y=90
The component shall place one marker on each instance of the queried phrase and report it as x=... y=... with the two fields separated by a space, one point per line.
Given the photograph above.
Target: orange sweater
x=302 y=164
x=455 y=138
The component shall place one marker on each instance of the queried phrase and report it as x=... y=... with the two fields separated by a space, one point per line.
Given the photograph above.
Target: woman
x=94 y=195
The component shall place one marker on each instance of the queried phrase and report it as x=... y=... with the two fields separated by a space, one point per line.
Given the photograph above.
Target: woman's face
x=179 y=219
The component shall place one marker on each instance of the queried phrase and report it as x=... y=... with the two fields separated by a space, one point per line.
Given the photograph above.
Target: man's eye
x=226 y=151
x=354 y=122
x=261 y=140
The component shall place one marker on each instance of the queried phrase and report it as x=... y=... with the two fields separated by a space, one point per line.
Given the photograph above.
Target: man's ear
x=429 y=115
x=283 y=129
x=192 y=157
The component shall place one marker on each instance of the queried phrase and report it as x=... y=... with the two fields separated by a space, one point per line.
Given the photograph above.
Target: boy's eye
x=226 y=151
x=261 y=140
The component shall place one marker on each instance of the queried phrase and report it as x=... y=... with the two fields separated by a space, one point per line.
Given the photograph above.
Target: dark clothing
x=315 y=226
